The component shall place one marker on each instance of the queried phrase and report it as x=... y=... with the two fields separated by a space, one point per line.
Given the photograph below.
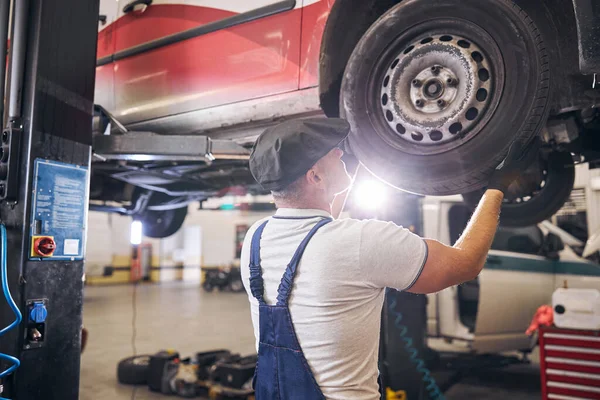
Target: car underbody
x=433 y=111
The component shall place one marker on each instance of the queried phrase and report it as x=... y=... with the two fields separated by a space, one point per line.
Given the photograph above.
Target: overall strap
x=285 y=287
x=256 y=280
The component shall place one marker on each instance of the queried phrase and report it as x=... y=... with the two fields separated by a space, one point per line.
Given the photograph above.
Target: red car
x=435 y=91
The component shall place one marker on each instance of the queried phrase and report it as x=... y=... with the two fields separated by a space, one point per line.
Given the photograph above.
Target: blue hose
x=430 y=385
x=3 y=273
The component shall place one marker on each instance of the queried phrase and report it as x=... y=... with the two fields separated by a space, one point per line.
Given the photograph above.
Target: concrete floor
x=185 y=318
x=169 y=316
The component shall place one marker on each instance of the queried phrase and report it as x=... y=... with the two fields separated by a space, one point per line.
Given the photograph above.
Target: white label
x=71 y=247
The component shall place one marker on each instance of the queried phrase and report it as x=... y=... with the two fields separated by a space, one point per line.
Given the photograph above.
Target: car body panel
x=314 y=17
x=247 y=61
x=105 y=85
x=262 y=58
x=512 y=286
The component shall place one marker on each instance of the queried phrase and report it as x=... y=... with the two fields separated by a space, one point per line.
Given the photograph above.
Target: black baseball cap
x=286 y=151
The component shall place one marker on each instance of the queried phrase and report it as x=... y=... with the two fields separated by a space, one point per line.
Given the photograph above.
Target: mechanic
x=316 y=284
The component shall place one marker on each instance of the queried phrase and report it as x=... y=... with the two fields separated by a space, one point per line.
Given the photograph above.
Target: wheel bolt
x=419 y=103
x=441 y=103
x=416 y=83
x=435 y=69
x=452 y=82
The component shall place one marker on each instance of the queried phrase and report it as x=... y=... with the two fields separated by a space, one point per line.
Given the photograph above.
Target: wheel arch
x=588 y=31
x=558 y=20
x=339 y=42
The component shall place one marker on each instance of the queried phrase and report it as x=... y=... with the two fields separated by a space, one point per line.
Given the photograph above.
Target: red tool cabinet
x=569 y=364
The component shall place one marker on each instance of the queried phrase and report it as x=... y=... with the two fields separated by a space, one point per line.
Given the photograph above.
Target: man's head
x=300 y=161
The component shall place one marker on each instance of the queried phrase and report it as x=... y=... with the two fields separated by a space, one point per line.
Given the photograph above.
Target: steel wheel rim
x=471 y=84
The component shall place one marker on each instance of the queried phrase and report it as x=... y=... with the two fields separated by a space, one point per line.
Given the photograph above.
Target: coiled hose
x=3 y=274
x=430 y=385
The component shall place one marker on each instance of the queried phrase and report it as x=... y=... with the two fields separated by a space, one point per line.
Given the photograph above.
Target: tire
x=559 y=181
x=236 y=286
x=162 y=224
x=434 y=155
x=133 y=370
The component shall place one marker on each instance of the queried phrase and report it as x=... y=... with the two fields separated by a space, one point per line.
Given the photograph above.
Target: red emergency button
x=44 y=246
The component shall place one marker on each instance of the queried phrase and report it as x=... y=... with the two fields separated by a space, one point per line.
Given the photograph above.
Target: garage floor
x=185 y=318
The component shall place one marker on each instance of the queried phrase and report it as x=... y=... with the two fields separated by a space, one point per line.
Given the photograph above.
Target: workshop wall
x=219 y=231
x=207 y=239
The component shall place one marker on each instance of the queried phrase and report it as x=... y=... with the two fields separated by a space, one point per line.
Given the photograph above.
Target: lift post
x=44 y=185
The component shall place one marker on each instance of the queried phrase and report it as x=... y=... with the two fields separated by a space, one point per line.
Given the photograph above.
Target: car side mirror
x=553 y=244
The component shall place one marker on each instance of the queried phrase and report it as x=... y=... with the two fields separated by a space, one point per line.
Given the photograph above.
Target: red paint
x=574 y=380
x=572 y=355
x=247 y=61
x=570 y=341
x=574 y=393
x=44 y=246
x=314 y=18
x=161 y=20
x=571 y=367
x=573 y=343
x=268 y=56
x=106 y=41
x=543 y=366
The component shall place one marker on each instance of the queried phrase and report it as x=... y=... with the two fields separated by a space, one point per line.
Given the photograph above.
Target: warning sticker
x=71 y=246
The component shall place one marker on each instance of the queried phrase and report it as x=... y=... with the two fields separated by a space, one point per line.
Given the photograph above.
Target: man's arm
x=447 y=266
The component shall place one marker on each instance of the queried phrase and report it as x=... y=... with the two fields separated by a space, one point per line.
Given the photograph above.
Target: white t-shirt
x=338 y=292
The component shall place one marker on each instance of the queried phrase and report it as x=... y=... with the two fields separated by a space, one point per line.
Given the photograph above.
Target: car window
x=528 y=240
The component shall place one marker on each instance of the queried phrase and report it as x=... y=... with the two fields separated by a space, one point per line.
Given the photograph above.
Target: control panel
x=59 y=211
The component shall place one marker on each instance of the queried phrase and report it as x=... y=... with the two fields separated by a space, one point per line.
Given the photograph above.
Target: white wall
x=108 y=235
x=206 y=238
x=218 y=232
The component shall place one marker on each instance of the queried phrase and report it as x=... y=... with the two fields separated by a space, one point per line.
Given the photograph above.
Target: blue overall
x=282 y=372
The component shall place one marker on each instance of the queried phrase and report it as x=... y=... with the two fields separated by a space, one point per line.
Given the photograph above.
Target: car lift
x=149 y=146
x=45 y=159
x=44 y=180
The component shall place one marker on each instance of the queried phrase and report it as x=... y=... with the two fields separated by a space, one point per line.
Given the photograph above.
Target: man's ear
x=313 y=177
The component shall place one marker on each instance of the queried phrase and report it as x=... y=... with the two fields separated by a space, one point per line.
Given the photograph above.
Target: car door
x=512 y=287
x=577 y=273
x=493 y=311
x=514 y=283
x=177 y=56
x=104 y=94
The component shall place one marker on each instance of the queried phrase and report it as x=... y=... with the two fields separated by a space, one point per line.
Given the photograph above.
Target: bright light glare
x=136 y=232
x=370 y=195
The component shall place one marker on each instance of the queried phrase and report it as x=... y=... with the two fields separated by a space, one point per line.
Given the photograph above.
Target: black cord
x=134 y=328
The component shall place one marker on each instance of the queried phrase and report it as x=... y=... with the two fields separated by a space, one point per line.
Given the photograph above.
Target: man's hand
x=517 y=160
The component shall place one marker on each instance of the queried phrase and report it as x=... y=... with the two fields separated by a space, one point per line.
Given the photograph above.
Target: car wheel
x=538 y=194
x=164 y=223
x=133 y=370
x=435 y=98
